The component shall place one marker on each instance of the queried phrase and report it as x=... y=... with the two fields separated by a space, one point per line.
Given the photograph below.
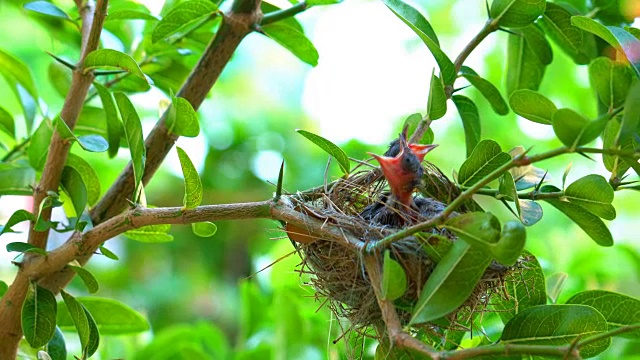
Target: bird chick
x=402 y=167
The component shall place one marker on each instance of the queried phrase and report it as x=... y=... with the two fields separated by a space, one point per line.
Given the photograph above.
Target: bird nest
x=336 y=267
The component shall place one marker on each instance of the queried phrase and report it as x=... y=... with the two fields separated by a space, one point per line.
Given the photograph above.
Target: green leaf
x=39 y=144
x=56 y=347
x=522 y=289
x=151 y=234
x=331 y=148
x=436 y=246
x=74 y=186
x=111 y=317
x=79 y=317
x=16 y=179
x=108 y=253
x=293 y=40
x=527 y=176
x=192 y=183
x=87 y=278
x=593 y=193
x=562 y=325
x=63 y=129
x=133 y=134
x=482 y=230
x=182 y=118
x=51 y=201
x=322 y=2
x=204 y=229
x=516 y=13
x=46 y=8
x=181 y=15
x=622 y=41
x=130 y=14
x=574 y=129
x=93 y=143
x=23 y=247
x=633 y=31
x=575 y=42
x=423 y=29
x=533 y=106
x=487 y=89
x=411 y=122
x=94 y=334
x=451 y=282
x=88 y=174
x=470 y=121
x=38 y=316
x=611 y=81
x=108 y=58
x=528 y=212
x=524 y=68
x=394 y=279
x=555 y=284
x=60 y=77
x=437 y=102
x=631 y=115
x=114 y=126
x=591 y=224
x=17 y=217
x=537 y=43
x=485 y=158
x=3 y=288
x=7 y=125
x=16 y=71
x=618 y=309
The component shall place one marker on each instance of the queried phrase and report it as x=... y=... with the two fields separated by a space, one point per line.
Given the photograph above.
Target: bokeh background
x=238 y=294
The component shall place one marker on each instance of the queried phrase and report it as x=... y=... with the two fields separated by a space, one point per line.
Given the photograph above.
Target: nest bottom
x=339 y=276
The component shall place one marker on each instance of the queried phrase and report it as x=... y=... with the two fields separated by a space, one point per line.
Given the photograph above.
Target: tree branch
x=11 y=302
x=235 y=26
x=80 y=246
x=397 y=336
x=283 y=14
x=489 y=27
x=521 y=160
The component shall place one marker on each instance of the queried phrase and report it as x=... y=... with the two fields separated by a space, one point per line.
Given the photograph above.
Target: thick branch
x=10 y=305
x=80 y=246
x=397 y=336
x=235 y=26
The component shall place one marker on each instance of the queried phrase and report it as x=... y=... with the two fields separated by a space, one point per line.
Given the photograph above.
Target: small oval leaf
x=108 y=58
x=486 y=157
x=562 y=325
x=533 y=106
x=619 y=310
x=331 y=148
x=183 y=14
x=394 y=279
x=39 y=316
x=192 y=183
x=111 y=317
x=470 y=121
x=204 y=229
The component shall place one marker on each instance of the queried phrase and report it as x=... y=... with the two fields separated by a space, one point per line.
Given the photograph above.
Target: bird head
x=402 y=167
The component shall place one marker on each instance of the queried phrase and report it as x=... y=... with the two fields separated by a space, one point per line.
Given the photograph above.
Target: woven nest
x=336 y=268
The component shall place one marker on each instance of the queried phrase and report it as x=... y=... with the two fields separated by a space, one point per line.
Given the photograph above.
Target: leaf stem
x=489 y=27
x=283 y=14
